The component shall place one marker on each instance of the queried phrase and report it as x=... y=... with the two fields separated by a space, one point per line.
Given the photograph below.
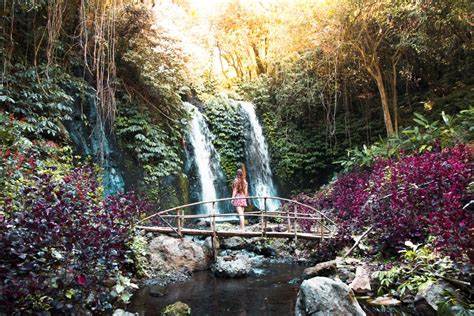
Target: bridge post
x=213 y=228
x=264 y=217
x=321 y=227
x=180 y=223
x=295 y=223
x=288 y=220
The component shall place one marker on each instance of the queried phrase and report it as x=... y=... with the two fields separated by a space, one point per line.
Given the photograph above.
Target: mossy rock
x=176 y=309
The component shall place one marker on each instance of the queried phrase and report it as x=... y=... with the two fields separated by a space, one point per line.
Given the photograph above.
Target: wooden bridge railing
x=320 y=225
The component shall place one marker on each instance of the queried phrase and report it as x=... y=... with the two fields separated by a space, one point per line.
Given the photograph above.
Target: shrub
x=65 y=243
x=405 y=199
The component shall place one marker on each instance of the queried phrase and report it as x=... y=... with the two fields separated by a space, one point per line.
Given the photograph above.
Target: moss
x=176 y=309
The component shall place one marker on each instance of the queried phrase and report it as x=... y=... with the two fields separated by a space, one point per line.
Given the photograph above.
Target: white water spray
x=258 y=160
x=205 y=157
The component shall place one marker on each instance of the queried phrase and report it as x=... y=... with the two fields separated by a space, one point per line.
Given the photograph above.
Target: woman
x=240 y=189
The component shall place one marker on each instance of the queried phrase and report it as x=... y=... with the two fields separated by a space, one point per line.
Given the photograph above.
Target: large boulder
x=174 y=254
x=232 y=267
x=322 y=296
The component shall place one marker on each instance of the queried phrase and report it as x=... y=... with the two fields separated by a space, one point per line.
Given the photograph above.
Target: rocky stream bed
x=262 y=277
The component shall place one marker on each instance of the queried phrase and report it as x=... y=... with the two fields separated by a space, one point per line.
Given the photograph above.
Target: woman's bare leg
x=240 y=210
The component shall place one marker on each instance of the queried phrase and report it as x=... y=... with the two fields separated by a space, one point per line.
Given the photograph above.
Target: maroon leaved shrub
x=65 y=242
x=406 y=199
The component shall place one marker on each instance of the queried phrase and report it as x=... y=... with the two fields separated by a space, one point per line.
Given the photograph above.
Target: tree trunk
x=394 y=96
x=377 y=74
x=258 y=60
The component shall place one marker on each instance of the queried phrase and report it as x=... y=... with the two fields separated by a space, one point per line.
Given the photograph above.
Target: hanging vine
x=97 y=41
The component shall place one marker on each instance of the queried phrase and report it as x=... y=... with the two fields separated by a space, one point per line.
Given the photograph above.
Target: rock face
x=323 y=296
x=168 y=254
x=361 y=282
x=232 y=267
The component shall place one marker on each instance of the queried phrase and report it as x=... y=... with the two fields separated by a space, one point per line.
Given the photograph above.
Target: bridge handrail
x=235 y=198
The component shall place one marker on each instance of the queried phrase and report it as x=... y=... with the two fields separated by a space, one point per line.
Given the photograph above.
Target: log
x=358 y=240
x=321 y=269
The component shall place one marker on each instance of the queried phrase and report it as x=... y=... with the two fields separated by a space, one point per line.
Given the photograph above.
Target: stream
x=271 y=290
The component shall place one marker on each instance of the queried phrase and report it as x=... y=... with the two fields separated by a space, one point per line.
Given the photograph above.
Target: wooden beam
x=247 y=198
x=230 y=233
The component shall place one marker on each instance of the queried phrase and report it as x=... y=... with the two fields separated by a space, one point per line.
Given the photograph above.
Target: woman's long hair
x=240 y=179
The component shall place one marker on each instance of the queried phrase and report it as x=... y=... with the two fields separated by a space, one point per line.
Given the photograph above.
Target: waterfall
x=258 y=160
x=211 y=179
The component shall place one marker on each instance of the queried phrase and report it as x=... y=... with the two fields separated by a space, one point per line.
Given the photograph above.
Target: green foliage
x=150 y=63
x=39 y=98
x=18 y=156
x=420 y=267
x=225 y=121
x=155 y=148
x=138 y=246
x=123 y=288
x=420 y=138
x=299 y=156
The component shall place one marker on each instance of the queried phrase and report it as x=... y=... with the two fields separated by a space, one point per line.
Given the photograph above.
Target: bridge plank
x=231 y=233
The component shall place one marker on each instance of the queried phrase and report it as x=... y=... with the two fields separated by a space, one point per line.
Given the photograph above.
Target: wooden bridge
x=286 y=222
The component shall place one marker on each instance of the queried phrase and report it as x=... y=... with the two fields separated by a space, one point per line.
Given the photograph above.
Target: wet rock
x=157 y=291
x=257 y=260
x=233 y=243
x=236 y=267
x=429 y=296
x=168 y=253
x=385 y=301
x=261 y=246
x=202 y=223
x=176 y=309
x=162 y=278
x=321 y=269
x=324 y=296
x=345 y=274
x=361 y=282
x=121 y=312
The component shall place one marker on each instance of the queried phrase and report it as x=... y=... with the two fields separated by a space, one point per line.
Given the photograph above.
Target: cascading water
x=258 y=160
x=206 y=160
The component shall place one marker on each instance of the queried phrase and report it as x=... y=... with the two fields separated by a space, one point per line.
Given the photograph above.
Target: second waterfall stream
x=258 y=159
x=211 y=182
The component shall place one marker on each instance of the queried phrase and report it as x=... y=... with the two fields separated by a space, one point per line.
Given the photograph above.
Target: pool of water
x=270 y=291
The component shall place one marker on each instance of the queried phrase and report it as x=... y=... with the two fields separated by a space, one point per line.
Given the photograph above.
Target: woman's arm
x=246 y=189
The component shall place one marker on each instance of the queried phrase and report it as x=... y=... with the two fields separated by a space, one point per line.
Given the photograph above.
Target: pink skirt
x=239 y=202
